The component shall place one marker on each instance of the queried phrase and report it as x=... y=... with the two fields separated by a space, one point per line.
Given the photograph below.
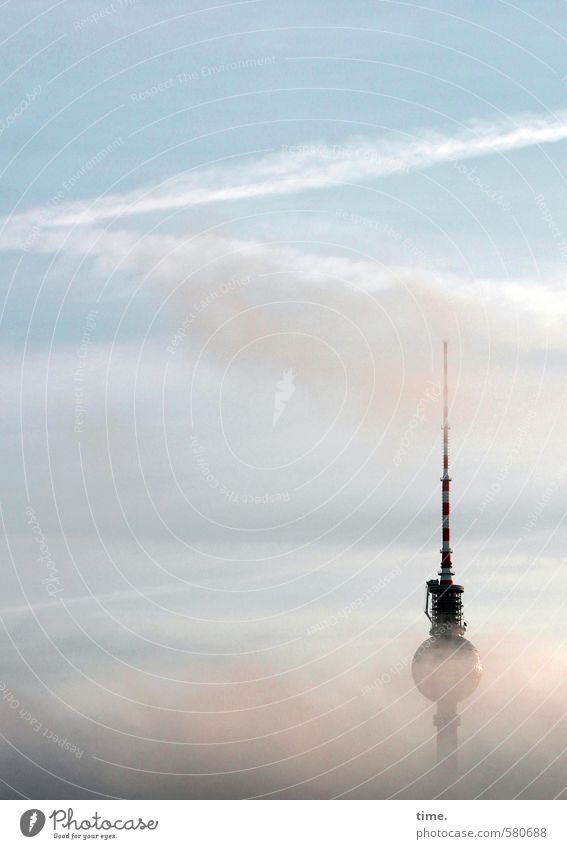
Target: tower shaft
x=447 y=722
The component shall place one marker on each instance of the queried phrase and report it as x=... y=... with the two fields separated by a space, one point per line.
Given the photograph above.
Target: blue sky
x=196 y=203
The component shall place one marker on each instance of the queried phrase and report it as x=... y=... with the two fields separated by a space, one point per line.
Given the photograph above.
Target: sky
x=233 y=238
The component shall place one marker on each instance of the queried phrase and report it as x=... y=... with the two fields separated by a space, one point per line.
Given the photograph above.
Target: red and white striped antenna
x=446 y=573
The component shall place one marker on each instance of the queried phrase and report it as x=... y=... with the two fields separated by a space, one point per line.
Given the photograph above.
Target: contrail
x=306 y=167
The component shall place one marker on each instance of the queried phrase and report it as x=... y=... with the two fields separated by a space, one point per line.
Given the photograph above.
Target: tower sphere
x=446 y=667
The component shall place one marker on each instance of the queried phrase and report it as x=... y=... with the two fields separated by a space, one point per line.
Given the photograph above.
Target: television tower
x=446 y=667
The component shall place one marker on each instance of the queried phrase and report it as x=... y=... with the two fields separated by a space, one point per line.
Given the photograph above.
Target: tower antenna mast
x=446 y=668
x=446 y=573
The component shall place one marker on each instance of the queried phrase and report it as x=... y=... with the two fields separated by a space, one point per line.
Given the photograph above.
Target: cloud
x=353 y=726
x=295 y=168
x=353 y=515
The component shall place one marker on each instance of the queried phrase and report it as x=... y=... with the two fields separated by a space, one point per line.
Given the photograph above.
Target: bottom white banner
x=280 y=824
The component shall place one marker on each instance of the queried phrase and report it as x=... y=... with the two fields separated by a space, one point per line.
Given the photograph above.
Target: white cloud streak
x=295 y=169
